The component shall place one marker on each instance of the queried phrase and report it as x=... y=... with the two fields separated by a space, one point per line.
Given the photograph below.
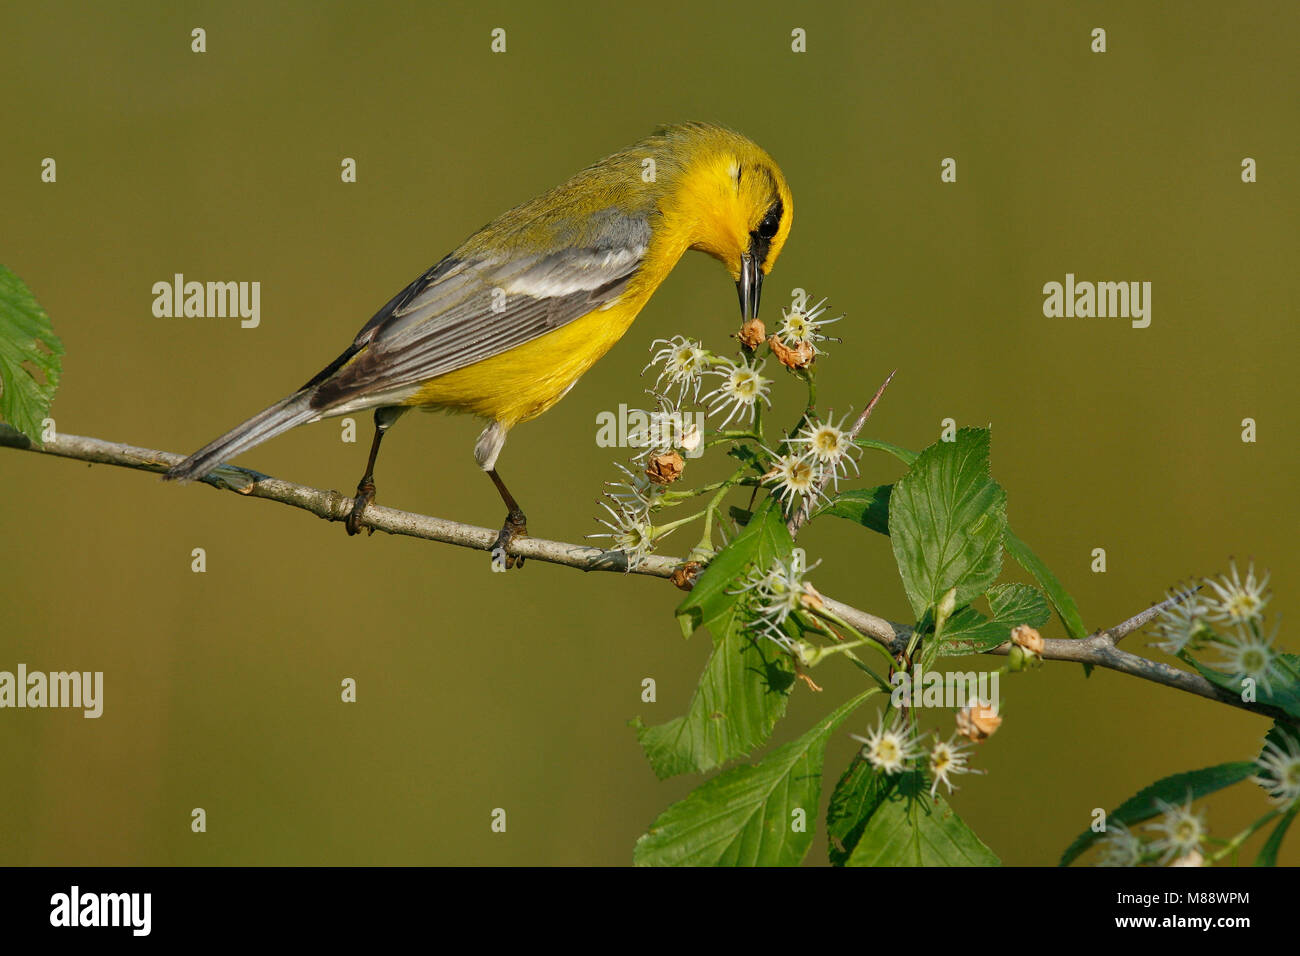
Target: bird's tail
x=279 y=418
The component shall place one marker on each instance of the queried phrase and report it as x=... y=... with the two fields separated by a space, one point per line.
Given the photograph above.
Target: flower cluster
x=895 y=748
x=816 y=457
x=1228 y=613
x=820 y=453
x=1179 y=834
x=777 y=592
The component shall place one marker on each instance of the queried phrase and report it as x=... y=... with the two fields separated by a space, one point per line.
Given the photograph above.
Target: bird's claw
x=516 y=526
x=365 y=495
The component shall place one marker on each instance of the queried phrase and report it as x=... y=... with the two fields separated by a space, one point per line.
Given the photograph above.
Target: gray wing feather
x=465 y=310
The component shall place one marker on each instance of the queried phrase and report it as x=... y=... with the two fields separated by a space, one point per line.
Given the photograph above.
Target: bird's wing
x=464 y=310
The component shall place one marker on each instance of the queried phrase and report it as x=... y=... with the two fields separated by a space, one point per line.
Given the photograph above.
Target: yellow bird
x=505 y=325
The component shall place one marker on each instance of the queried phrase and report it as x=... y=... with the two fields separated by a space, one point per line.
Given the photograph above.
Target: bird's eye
x=771 y=222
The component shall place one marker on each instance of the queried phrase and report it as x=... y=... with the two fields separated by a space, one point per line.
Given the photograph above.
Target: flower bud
x=978 y=721
x=752 y=333
x=812 y=598
x=665 y=467
x=1028 y=638
x=800 y=356
x=943 y=610
x=684 y=575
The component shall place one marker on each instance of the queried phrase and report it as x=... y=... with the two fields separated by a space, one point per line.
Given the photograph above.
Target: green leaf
x=911 y=828
x=946 y=521
x=869 y=507
x=1065 y=607
x=1283 y=691
x=27 y=341
x=853 y=800
x=902 y=454
x=764 y=539
x=970 y=632
x=740 y=697
x=1175 y=789
x=1268 y=852
x=745 y=816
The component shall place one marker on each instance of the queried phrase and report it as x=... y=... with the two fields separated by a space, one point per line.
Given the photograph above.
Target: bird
x=505 y=325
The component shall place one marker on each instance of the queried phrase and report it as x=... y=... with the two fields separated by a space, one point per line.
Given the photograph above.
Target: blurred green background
x=479 y=690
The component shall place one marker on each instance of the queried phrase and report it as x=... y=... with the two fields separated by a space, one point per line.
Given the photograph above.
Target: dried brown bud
x=801 y=356
x=664 y=467
x=752 y=333
x=812 y=598
x=684 y=575
x=978 y=721
x=1028 y=638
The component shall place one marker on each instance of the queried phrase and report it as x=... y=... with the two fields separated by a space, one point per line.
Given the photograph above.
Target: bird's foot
x=516 y=526
x=365 y=495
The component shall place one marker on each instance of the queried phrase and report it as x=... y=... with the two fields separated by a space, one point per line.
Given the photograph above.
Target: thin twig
x=1098 y=649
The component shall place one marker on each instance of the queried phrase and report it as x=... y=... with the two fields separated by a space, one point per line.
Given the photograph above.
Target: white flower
x=803 y=325
x=629 y=532
x=1280 y=770
x=889 y=749
x=1249 y=654
x=947 y=759
x=637 y=495
x=665 y=430
x=684 y=362
x=1182 y=625
x=796 y=479
x=742 y=388
x=1119 y=847
x=829 y=447
x=778 y=591
x=1183 y=830
x=1238 y=601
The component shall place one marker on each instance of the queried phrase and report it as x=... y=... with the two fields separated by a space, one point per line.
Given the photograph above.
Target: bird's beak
x=749 y=286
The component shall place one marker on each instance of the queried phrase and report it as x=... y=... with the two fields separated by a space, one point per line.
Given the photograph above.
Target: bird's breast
x=520 y=384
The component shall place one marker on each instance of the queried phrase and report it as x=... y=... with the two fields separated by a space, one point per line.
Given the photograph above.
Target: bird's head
x=735 y=204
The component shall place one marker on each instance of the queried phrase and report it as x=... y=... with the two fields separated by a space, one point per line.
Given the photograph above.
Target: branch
x=1100 y=649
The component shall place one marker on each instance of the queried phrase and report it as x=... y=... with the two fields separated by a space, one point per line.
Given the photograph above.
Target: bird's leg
x=516 y=526
x=384 y=418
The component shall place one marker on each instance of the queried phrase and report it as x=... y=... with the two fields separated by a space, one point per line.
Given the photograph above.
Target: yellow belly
x=520 y=384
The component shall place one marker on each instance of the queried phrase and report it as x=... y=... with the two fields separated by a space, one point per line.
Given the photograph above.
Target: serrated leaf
x=1174 y=789
x=946 y=522
x=26 y=338
x=869 y=507
x=740 y=697
x=855 y=797
x=744 y=816
x=970 y=632
x=911 y=828
x=764 y=539
x=1063 y=604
